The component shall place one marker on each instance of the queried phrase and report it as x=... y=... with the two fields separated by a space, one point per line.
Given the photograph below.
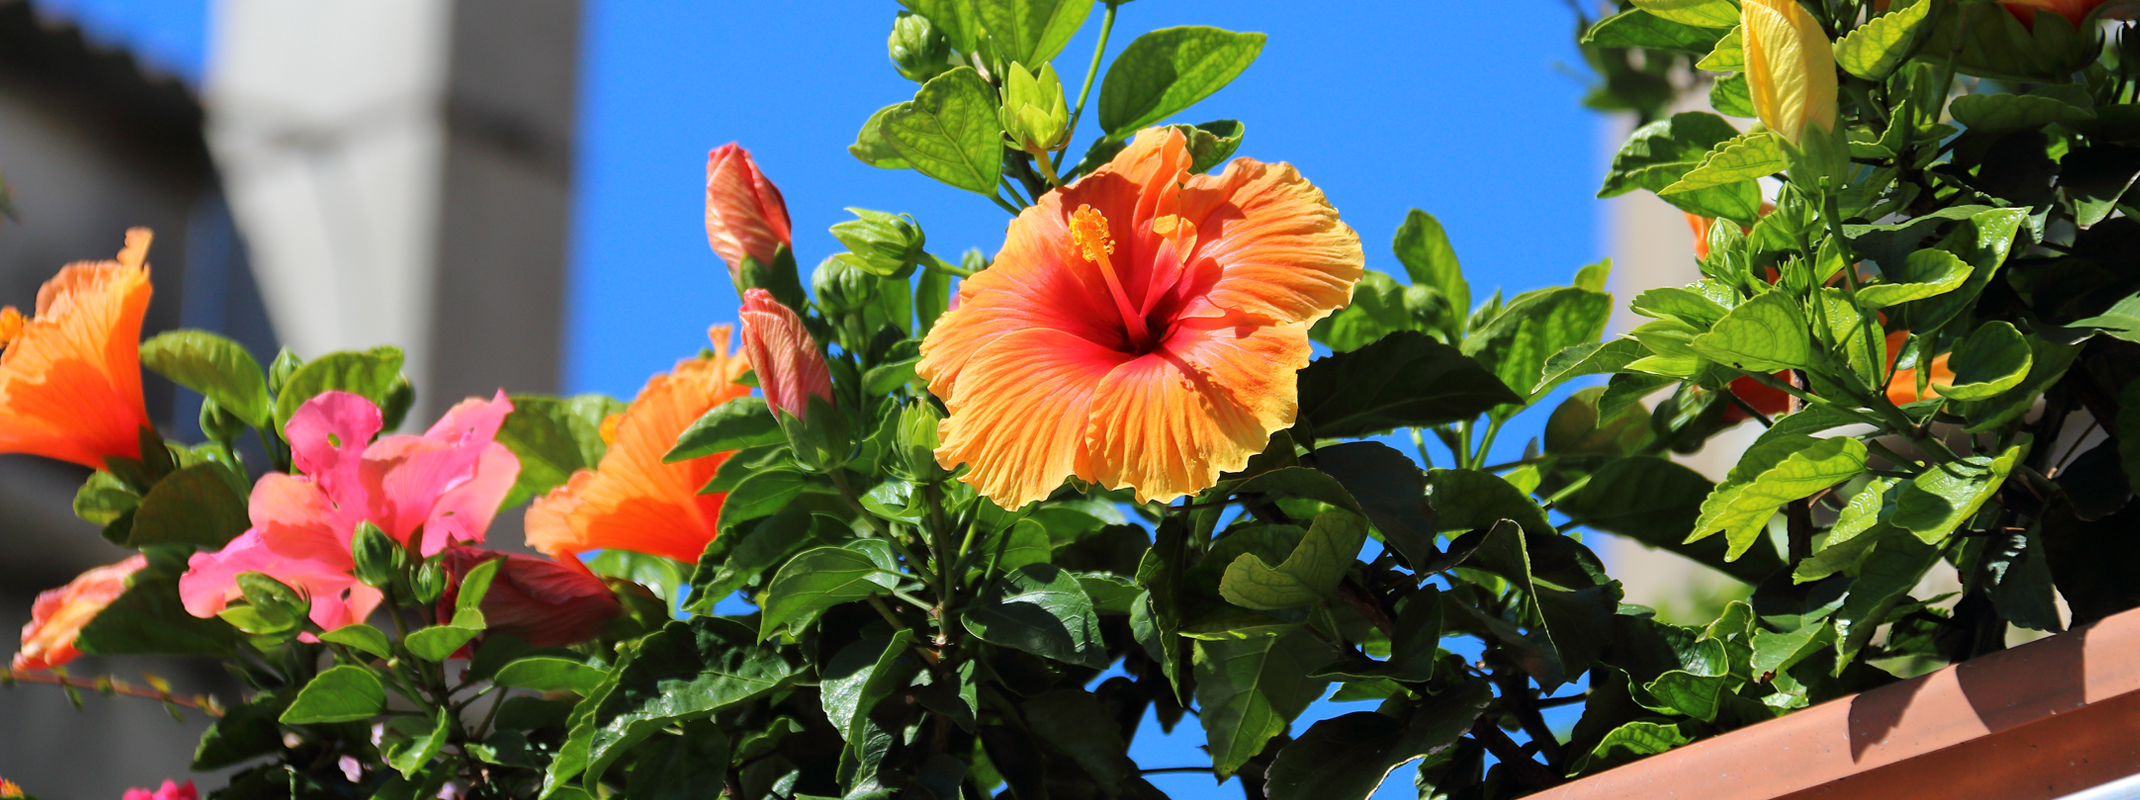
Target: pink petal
x=406 y=476
x=464 y=512
x=789 y=367
x=327 y=436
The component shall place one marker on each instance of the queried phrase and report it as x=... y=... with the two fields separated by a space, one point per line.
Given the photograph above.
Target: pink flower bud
x=789 y=367
x=744 y=213
x=59 y=614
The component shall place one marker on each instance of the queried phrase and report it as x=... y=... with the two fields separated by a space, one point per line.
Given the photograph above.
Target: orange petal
x=70 y=383
x=1281 y=252
x=59 y=614
x=1169 y=423
x=632 y=501
x=1019 y=414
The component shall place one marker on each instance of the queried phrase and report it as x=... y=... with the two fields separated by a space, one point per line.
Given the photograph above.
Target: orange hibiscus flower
x=1141 y=327
x=632 y=501
x=59 y=614
x=70 y=377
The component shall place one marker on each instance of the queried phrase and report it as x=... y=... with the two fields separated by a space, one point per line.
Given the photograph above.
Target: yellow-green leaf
x=1764 y=334
x=949 y=131
x=1992 y=359
x=1729 y=55
x=1935 y=503
x=1876 y=48
x=1705 y=13
x=1308 y=575
x=1769 y=475
x=1927 y=273
x=1743 y=158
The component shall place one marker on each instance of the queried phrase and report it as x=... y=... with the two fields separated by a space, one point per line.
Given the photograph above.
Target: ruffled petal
x=1168 y=424
x=631 y=500
x=1019 y=416
x=1275 y=244
x=328 y=435
x=70 y=383
x=407 y=477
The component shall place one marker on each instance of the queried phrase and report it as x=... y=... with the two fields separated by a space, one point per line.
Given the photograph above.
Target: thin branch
x=113 y=686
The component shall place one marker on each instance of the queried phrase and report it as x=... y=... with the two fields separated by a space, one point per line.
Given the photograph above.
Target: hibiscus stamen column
x=1088 y=230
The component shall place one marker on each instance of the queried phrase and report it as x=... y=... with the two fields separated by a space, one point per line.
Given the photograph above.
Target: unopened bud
x=841 y=286
x=919 y=51
x=1034 y=114
x=886 y=245
x=914 y=446
x=379 y=558
x=430 y=583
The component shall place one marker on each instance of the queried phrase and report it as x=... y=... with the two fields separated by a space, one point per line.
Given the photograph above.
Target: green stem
x=1107 y=26
x=947 y=267
x=1486 y=443
x=1004 y=204
x=1419 y=442
x=1047 y=170
x=1005 y=182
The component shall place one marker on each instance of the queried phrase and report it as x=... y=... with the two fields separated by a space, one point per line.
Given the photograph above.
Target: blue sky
x=1466 y=110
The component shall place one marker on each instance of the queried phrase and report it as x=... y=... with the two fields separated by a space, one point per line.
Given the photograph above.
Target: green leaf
x=409 y=756
x=1639 y=28
x=1040 y=609
x=1743 y=158
x=1467 y=500
x=1422 y=246
x=104 y=499
x=438 y=642
x=1405 y=379
x=1705 y=13
x=1992 y=113
x=1309 y=575
x=957 y=20
x=1769 y=475
x=1534 y=326
x=370 y=373
x=340 y=694
x=1685 y=304
x=1876 y=48
x=1655 y=501
x=1211 y=143
x=862 y=674
x=1390 y=490
x=764 y=493
x=554 y=437
x=1764 y=334
x=550 y=674
x=216 y=367
x=1248 y=690
x=1776 y=652
x=2021 y=587
x=1638 y=738
x=1933 y=504
x=1031 y=32
x=150 y=619
x=1345 y=757
x=691 y=765
x=1377 y=310
x=734 y=425
x=1731 y=96
x=1856 y=530
x=1926 y=273
x=1991 y=359
x=1168 y=70
x=690 y=669
x=818 y=579
x=949 y=131
x=243 y=733
x=2121 y=320
x=362 y=637
x=193 y=506
x=870 y=146
x=1729 y=55
x=1588 y=358
x=2048 y=363
x=1895 y=564
x=1078 y=724
x=1658 y=154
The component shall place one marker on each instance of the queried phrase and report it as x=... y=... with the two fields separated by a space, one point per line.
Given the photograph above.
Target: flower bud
x=887 y=245
x=273 y=607
x=1034 y=112
x=789 y=367
x=919 y=51
x=429 y=583
x=745 y=215
x=379 y=558
x=1790 y=67
x=219 y=424
x=59 y=614
x=914 y=446
x=841 y=287
x=544 y=602
x=280 y=370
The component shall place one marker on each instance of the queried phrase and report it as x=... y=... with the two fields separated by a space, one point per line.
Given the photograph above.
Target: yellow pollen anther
x=10 y=325
x=1088 y=230
x=608 y=428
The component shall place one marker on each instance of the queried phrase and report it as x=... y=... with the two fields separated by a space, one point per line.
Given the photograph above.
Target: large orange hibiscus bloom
x=70 y=377
x=1141 y=327
x=632 y=501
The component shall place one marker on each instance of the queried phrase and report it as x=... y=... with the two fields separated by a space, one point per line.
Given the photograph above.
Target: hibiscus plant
x=967 y=529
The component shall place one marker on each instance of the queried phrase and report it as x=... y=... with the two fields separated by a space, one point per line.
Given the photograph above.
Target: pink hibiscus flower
x=427 y=492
